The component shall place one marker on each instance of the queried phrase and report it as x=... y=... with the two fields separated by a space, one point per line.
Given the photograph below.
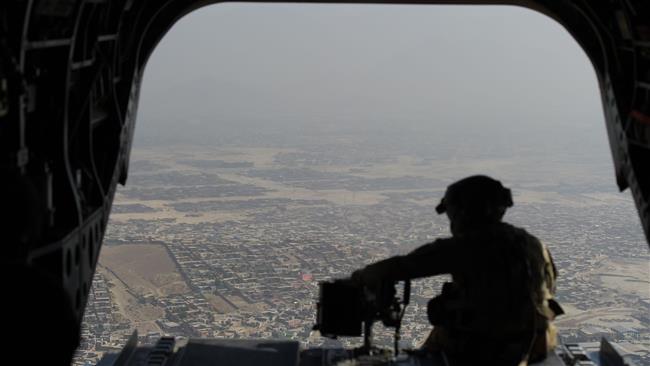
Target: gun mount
x=346 y=308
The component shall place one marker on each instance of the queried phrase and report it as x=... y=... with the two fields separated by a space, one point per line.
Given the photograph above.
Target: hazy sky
x=484 y=71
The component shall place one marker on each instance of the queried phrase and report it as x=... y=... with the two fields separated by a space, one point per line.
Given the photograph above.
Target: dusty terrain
x=146 y=269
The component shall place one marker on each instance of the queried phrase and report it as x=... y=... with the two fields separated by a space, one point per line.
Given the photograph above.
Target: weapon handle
x=407 y=292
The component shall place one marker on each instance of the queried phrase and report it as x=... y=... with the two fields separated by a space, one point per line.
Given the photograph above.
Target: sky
x=467 y=73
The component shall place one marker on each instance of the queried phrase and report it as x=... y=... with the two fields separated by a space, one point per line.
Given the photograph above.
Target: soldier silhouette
x=499 y=307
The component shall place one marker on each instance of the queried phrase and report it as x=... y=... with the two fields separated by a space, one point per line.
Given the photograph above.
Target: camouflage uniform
x=499 y=305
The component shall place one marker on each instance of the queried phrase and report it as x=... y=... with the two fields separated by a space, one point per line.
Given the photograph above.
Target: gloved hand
x=357 y=277
x=436 y=311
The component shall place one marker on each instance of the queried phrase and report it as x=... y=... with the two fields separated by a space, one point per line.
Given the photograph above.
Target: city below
x=232 y=242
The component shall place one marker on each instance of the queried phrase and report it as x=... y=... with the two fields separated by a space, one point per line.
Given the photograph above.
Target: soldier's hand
x=369 y=275
x=357 y=277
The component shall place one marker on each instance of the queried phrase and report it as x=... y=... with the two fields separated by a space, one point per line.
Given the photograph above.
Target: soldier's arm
x=431 y=259
x=550 y=270
x=550 y=280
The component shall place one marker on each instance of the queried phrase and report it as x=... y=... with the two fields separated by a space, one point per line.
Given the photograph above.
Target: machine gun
x=346 y=308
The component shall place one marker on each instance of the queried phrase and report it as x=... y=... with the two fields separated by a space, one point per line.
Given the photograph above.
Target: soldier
x=499 y=306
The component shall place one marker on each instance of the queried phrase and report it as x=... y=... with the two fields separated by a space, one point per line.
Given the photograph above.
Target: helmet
x=478 y=196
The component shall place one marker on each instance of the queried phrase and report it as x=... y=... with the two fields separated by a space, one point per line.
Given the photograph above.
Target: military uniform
x=500 y=302
x=499 y=306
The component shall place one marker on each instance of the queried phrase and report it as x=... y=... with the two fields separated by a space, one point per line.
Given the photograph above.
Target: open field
x=626 y=277
x=142 y=316
x=145 y=269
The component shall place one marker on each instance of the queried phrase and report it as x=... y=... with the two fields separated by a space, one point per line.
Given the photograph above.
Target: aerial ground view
x=235 y=246
x=248 y=188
